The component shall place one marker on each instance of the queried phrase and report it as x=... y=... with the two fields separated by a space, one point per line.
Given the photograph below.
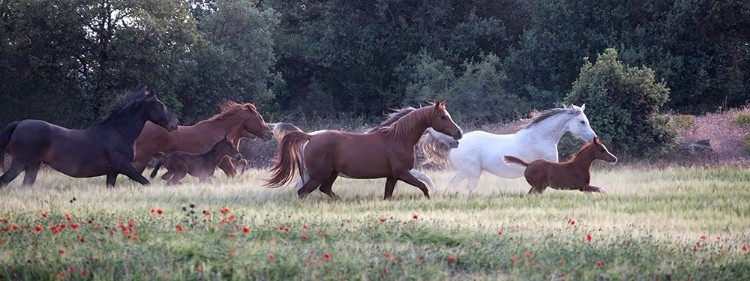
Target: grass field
x=654 y=224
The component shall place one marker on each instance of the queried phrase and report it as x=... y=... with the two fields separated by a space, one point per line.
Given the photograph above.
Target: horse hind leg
x=537 y=189
x=11 y=174
x=455 y=180
x=328 y=184
x=308 y=188
x=31 y=172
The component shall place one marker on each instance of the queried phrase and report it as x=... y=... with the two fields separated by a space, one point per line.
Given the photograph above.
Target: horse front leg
x=410 y=179
x=126 y=168
x=111 y=178
x=227 y=166
x=390 y=185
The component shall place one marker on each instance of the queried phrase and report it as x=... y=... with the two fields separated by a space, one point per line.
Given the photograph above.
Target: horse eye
x=443 y=117
x=583 y=122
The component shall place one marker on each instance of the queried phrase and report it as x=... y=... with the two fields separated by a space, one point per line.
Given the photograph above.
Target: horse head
x=441 y=121
x=254 y=123
x=578 y=124
x=601 y=152
x=157 y=112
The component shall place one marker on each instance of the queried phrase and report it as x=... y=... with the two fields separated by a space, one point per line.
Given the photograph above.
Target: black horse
x=106 y=148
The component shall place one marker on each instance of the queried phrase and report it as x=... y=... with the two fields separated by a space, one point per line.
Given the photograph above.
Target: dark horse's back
x=65 y=150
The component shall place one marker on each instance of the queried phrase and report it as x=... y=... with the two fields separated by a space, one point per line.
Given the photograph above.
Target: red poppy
x=304 y=236
x=74 y=226
x=159 y=211
x=6 y=220
x=528 y=254
x=451 y=258
x=54 y=229
x=382 y=219
x=304 y=226
x=61 y=251
x=71 y=268
x=84 y=272
x=232 y=252
x=245 y=229
x=67 y=217
x=206 y=213
x=588 y=236
x=500 y=232
x=385 y=270
x=718 y=237
x=281 y=227
x=62 y=226
x=744 y=249
x=287 y=229
x=225 y=210
x=223 y=220
x=572 y=222
x=230 y=218
x=14 y=226
x=231 y=235
x=179 y=228
x=44 y=214
x=153 y=210
x=703 y=237
x=131 y=223
x=38 y=228
x=416 y=217
x=387 y=255
x=599 y=263
x=271 y=257
x=327 y=256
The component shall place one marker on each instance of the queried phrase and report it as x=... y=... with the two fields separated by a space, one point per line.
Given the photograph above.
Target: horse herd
x=144 y=128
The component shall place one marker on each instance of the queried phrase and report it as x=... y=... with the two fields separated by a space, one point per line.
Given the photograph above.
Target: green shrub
x=743 y=119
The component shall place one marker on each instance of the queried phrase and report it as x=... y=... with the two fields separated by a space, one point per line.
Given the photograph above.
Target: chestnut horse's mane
x=395 y=115
x=585 y=146
x=541 y=116
x=230 y=107
x=406 y=124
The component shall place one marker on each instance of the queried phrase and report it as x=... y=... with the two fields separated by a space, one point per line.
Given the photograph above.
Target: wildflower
x=153 y=210
x=304 y=226
x=744 y=249
x=230 y=218
x=225 y=210
x=44 y=214
x=6 y=220
x=84 y=272
x=245 y=229
x=61 y=251
x=327 y=256
x=304 y=236
x=416 y=217
x=71 y=268
x=287 y=229
x=232 y=252
x=718 y=238
x=451 y=258
x=206 y=213
x=223 y=220
x=514 y=259
x=382 y=219
x=179 y=228
x=159 y=211
x=231 y=235
x=39 y=228
x=131 y=223
x=74 y=226
x=14 y=226
x=500 y=232
x=271 y=257
x=588 y=236
x=572 y=222
x=54 y=229
x=387 y=255
x=385 y=270
x=599 y=263
x=703 y=237
x=528 y=254
x=281 y=227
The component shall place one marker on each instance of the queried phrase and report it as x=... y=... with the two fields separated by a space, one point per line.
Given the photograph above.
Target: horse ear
x=596 y=140
x=583 y=106
x=440 y=104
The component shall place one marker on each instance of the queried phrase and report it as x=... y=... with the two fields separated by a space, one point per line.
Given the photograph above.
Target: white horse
x=280 y=129
x=482 y=151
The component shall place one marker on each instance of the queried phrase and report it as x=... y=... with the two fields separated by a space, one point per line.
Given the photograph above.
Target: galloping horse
x=280 y=129
x=106 y=148
x=480 y=151
x=235 y=120
x=202 y=166
x=574 y=174
x=386 y=153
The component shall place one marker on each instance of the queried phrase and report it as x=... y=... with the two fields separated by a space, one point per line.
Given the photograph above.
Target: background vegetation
x=494 y=61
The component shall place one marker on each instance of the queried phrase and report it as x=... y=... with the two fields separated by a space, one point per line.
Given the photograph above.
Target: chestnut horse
x=235 y=120
x=386 y=153
x=202 y=166
x=570 y=175
x=106 y=148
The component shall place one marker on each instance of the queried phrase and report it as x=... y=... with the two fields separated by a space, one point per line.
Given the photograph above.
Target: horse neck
x=214 y=155
x=549 y=130
x=228 y=125
x=583 y=158
x=128 y=125
x=411 y=127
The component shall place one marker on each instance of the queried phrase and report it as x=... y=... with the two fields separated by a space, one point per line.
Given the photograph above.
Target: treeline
x=68 y=61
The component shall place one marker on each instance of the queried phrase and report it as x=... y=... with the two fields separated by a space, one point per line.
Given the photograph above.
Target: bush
x=622 y=104
x=743 y=119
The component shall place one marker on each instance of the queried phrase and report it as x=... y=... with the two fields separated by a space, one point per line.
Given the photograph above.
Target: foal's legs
x=327 y=184
x=589 y=188
x=538 y=189
x=227 y=166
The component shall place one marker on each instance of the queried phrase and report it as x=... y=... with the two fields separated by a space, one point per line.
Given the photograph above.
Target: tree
x=623 y=104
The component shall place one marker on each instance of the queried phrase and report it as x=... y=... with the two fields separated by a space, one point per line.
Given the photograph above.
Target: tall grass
x=681 y=223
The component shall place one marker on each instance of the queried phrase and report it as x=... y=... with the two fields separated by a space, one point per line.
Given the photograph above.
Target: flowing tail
x=514 y=160
x=156 y=168
x=4 y=140
x=289 y=158
x=280 y=129
x=435 y=149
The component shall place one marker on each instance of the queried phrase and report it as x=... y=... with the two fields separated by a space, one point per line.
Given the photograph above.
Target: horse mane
x=229 y=107
x=126 y=103
x=538 y=117
x=406 y=124
x=575 y=155
x=395 y=115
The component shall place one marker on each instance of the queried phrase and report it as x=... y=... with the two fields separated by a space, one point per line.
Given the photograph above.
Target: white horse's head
x=579 y=125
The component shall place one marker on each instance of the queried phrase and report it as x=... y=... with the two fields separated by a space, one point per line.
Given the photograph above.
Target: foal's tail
x=289 y=158
x=514 y=160
x=156 y=168
x=435 y=149
x=4 y=140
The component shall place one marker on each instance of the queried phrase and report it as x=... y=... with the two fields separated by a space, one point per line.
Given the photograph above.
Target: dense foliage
x=68 y=61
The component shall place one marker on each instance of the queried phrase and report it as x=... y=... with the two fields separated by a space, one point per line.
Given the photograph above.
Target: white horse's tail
x=514 y=160
x=436 y=147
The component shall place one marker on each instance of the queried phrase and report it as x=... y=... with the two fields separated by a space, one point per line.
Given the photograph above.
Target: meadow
x=675 y=223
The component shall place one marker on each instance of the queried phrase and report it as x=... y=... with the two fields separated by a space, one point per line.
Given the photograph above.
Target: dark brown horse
x=180 y=163
x=235 y=120
x=571 y=175
x=385 y=153
x=106 y=148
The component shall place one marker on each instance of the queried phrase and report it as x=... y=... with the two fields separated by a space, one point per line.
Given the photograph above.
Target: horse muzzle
x=173 y=124
x=267 y=136
x=457 y=135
